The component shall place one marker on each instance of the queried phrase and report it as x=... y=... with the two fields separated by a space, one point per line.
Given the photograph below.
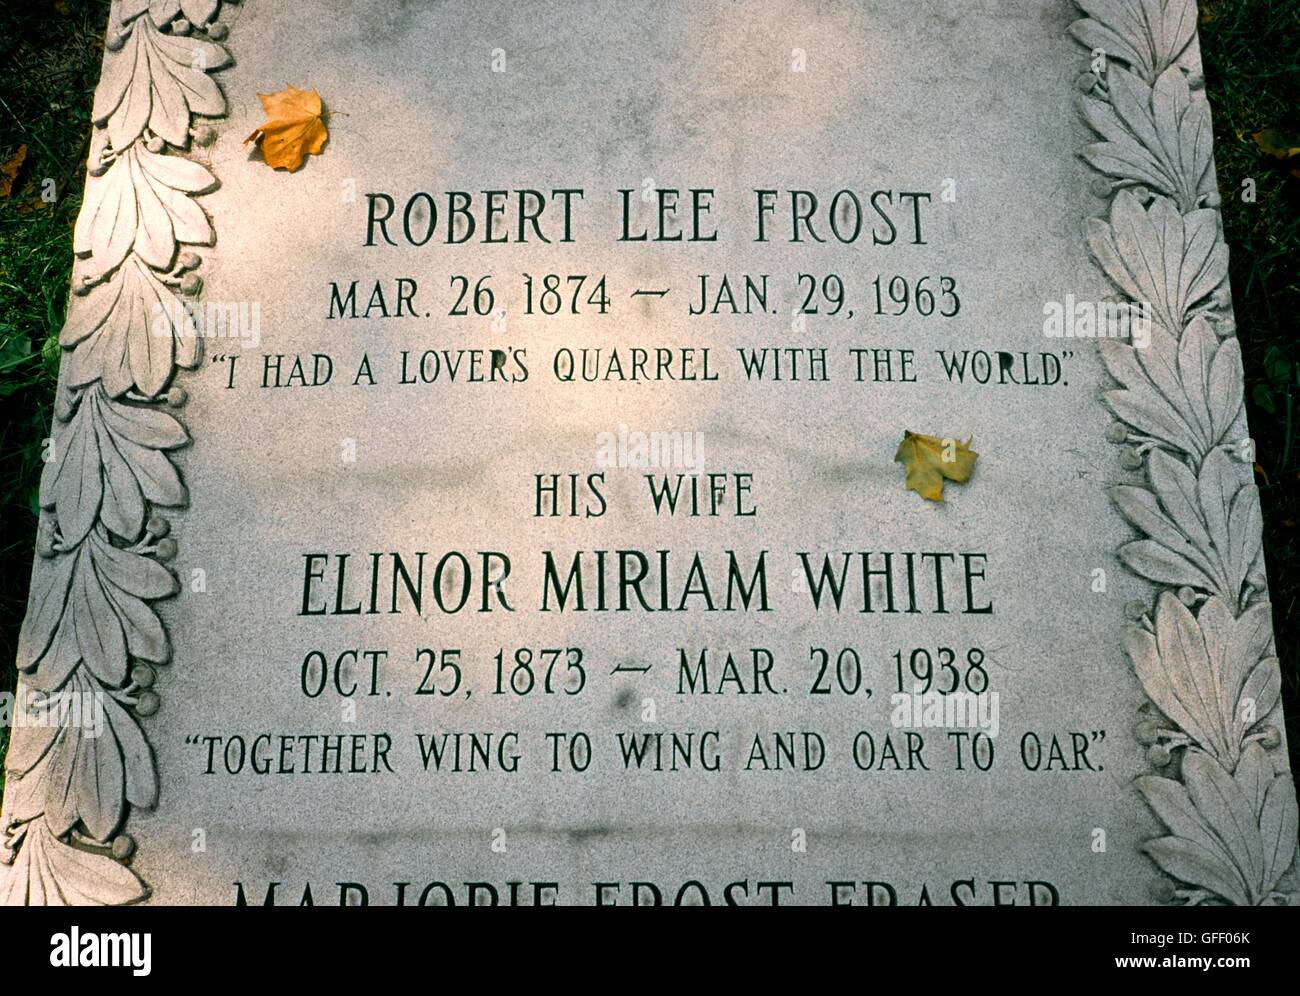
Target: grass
x=49 y=62
x=1251 y=51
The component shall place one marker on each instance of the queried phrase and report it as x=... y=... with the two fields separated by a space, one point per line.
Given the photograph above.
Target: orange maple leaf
x=293 y=130
x=9 y=170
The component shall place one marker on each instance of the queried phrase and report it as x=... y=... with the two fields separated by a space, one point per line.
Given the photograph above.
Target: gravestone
x=503 y=506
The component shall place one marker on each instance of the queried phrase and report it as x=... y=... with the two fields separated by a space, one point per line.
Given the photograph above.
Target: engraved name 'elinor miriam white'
x=91 y=950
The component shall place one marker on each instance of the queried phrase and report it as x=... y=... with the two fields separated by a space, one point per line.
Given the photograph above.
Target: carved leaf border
x=90 y=629
x=91 y=637
x=1204 y=654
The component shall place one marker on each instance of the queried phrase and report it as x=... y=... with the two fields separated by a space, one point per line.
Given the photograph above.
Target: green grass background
x=50 y=52
x=1251 y=51
x=49 y=63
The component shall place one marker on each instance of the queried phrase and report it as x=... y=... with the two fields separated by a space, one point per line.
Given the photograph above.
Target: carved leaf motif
x=141 y=772
x=98 y=629
x=51 y=579
x=1195 y=855
x=1203 y=531
x=197 y=11
x=130 y=581
x=122 y=510
x=33 y=741
x=92 y=770
x=24 y=800
x=157 y=81
x=1154 y=135
x=163 y=11
x=1185 y=394
x=1233 y=822
x=1244 y=667
x=89 y=600
x=1199 y=669
x=105 y=617
x=101 y=472
x=140 y=204
x=139 y=436
x=85 y=775
x=1173 y=666
x=48 y=872
x=1148 y=35
x=72 y=483
x=188 y=60
x=129 y=10
x=128 y=331
x=1279 y=824
x=1233 y=836
x=1161 y=257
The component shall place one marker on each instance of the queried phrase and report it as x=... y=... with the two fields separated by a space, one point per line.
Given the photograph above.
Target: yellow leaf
x=1278 y=143
x=293 y=130
x=929 y=460
x=9 y=170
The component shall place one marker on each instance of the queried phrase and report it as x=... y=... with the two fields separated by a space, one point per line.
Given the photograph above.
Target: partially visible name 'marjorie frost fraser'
x=640 y=892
